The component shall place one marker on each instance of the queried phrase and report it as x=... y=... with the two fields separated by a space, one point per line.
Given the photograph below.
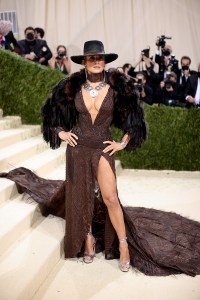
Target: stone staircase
x=31 y=246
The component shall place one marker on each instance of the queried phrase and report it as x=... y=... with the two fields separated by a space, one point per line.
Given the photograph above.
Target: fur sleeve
x=58 y=113
x=128 y=114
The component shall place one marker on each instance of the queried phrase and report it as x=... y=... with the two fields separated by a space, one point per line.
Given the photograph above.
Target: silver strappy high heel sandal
x=124 y=266
x=87 y=257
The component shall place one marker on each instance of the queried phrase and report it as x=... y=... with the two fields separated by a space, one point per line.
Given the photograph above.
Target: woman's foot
x=89 y=252
x=124 y=262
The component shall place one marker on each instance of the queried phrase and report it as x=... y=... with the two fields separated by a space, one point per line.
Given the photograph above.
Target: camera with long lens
x=172 y=60
x=139 y=84
x=161 y=41
x=173 y=63
x=172 y=102
x=61 y=54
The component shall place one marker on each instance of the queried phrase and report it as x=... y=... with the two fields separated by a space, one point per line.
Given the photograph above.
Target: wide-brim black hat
x=94 y=48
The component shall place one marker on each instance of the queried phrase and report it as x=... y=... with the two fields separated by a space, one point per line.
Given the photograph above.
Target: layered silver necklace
x=94 y=91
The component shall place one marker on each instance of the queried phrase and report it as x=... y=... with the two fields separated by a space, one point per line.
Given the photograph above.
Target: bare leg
x=89 y=251
x=107 y=184
x=89 y=242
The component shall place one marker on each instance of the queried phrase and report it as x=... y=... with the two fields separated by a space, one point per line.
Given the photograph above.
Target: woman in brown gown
x=80 y=112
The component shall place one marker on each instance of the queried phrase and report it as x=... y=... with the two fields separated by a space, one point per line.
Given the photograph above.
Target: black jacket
x=59 y=111
x=191 y=88
x=170 y=98
x=149 y=95
x=179 y=75
x=159 y=59
x=39 y=47
x=11 y=43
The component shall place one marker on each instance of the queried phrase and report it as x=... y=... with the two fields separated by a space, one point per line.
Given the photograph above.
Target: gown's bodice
x=93 y=133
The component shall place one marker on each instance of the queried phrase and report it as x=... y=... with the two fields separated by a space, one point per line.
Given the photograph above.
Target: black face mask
x=185 y=68
x=166 y=52
x=30 y=36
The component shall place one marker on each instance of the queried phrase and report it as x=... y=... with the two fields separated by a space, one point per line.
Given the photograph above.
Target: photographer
x=164 y=57
x=7 y=39
x=126 y=67
x=60 y=60
x=39 y=33
x=192 y=90
x=169 y=92
x=153 y=78
x=184 y=73
x=138 y=63
x=145 y=91
x=34 y=49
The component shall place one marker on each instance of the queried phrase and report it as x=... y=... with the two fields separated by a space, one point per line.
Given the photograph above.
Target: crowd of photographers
x=34 y=47
x=170 y=85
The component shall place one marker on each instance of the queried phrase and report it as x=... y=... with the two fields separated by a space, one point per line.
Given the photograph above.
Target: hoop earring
x=104 y=75
x=86 y=75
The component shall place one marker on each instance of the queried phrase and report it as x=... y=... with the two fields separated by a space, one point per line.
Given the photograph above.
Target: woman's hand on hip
x=112 y=146
x=68 y=137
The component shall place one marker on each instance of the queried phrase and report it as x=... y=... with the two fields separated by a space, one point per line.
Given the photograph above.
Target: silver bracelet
x=123 y=144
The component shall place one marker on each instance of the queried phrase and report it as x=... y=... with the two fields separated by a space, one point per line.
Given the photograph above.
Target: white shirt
x=197 y=95
x=186 y=78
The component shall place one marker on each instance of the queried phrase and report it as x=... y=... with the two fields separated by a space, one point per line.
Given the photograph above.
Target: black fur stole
x=59 y=111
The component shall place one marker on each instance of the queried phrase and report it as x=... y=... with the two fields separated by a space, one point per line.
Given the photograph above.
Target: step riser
x=30 y=245
x=24 y=268
x=16 y=158
x=10 y=122
x=48 y=265
x=20 y=137
x=10 y=191
x=48 y=168
x=24 y=223
x=19 y=230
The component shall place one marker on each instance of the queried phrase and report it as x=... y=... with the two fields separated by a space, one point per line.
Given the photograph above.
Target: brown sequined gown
x=160 y=243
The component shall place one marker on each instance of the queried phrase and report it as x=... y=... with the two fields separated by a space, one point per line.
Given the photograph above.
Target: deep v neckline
x=93 y=122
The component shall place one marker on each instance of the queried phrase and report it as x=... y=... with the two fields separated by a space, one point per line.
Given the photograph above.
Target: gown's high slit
x=160 y=243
